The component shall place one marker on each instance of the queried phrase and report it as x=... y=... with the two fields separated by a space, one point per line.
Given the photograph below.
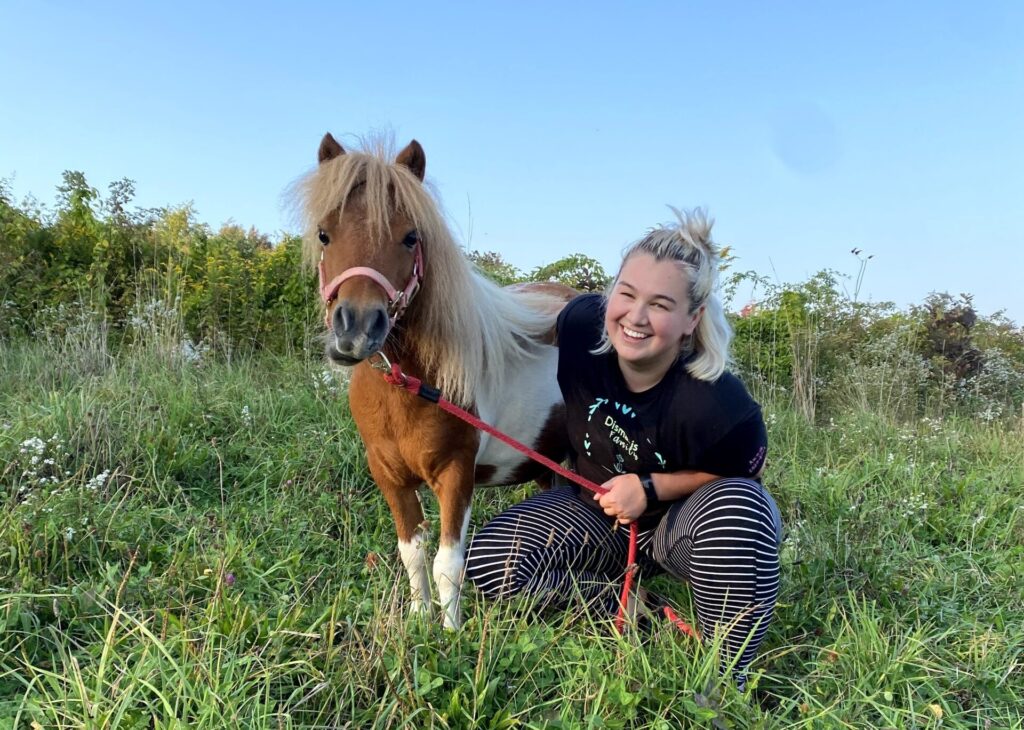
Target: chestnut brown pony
x=394 y=280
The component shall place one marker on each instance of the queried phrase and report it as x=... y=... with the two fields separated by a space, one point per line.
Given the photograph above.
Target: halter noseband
x=397 y=300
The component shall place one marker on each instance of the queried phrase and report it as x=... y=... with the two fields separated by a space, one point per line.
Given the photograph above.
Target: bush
x=149 y=273
x=810 y=347
x=93 y=276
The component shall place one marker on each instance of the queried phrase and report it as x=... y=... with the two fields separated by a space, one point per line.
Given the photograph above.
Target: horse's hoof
x=452 y=624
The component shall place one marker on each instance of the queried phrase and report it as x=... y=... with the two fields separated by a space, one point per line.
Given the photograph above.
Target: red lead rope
x=414 y=385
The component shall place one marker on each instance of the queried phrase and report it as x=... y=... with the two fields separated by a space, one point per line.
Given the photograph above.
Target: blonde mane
x=466 y=331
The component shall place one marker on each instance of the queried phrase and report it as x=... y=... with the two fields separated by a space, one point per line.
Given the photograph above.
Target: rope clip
x=379 y=361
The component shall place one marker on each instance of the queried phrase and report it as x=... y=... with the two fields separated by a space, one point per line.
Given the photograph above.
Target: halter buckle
x=397 y=307
x=379 y=361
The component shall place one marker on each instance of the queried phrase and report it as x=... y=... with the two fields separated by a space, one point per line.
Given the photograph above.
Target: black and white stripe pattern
x=723 y=540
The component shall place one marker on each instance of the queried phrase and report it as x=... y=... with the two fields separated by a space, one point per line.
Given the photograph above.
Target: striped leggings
x=723 y=540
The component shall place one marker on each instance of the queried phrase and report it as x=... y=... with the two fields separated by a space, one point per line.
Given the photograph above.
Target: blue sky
x=806 y=129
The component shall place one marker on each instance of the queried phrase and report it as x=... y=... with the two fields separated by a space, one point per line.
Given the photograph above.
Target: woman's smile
x=632 y=334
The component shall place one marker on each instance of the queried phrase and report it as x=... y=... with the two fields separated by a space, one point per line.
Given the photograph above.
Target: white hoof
x=452 y=621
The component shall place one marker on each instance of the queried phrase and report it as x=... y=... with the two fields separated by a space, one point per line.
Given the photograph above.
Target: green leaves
x=576 y=270
x=234 y=290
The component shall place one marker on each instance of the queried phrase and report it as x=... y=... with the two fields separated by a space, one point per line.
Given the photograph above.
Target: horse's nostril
x=342 y=318
x=380 y=321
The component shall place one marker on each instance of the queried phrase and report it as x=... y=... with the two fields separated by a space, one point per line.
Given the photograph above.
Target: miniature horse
x=394 y=280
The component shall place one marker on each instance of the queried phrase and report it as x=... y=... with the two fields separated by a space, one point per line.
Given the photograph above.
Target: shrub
x=148 y=273
x=94 y=275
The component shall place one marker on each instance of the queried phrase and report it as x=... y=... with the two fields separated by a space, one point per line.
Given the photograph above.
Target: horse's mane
x=466 y=330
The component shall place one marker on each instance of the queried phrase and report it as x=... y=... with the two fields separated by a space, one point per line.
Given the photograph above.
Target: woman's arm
x=740 y=453
x=678 y=484
x=625 y=498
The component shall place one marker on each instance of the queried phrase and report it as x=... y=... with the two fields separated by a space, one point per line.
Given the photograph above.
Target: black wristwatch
x=647 y=482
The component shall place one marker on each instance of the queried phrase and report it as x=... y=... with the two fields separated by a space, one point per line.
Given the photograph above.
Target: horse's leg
x=411 y=545
x=400 y=493
x=454 y=489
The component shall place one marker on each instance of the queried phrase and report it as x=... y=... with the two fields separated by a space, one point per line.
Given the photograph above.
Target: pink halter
x=397 y=300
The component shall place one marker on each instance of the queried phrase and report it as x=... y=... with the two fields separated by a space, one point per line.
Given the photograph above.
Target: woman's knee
x=492 y=563
x=723 y=509
x=479 y=557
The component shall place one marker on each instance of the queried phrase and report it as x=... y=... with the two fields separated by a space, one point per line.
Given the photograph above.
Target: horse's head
x=371 y=261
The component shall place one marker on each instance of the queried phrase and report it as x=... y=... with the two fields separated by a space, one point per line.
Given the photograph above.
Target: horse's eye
x=411 y=239
x=324 y=238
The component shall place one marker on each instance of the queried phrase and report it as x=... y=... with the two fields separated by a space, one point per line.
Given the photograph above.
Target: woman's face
x=648 y=314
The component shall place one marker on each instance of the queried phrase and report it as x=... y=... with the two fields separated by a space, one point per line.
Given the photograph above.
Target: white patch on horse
x=448 y=565
x=414 y=557
x=520 y=409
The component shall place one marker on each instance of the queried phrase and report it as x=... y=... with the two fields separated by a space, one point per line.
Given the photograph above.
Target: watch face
x=649 y=491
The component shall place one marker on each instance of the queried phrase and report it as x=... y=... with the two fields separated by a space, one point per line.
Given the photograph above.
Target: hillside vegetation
x=190 y=537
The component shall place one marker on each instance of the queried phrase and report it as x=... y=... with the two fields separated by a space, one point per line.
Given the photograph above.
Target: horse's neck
x=471 y=352
x=430 y=356
x=406 y=348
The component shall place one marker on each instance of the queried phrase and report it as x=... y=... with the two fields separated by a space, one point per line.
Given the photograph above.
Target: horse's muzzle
x=358 y=333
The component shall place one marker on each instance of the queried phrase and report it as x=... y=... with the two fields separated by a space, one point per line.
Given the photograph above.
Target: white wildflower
x=192 y=352
x=796 y=536
x=98 y=481
x=325 y=381
x=914 y=504
x=991 y=412
x=33 y=444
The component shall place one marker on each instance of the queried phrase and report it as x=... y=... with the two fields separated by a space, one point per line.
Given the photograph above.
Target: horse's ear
x=329 y=149
x=413 y=158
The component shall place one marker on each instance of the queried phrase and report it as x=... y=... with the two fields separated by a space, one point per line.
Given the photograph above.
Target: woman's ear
x=696 y=317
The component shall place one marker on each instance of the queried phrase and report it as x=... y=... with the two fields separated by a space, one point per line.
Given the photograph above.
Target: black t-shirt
x=682 y=423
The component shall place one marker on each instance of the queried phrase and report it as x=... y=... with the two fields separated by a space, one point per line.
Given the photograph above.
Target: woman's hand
x=625 y=499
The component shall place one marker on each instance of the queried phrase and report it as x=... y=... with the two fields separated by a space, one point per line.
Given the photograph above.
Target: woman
x=676 y=440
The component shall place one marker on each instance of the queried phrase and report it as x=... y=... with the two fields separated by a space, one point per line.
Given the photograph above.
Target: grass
x=200 y=545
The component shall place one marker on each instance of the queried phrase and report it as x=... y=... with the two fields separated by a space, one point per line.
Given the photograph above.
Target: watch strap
x=647 y=482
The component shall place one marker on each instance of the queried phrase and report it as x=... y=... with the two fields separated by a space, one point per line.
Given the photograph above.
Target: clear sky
x=807 y=129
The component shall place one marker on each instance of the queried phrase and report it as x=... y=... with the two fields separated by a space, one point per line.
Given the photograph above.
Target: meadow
x=189 y=540
x=189 y=536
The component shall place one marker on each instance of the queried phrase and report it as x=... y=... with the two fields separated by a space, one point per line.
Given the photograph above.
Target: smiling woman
x=678 y=443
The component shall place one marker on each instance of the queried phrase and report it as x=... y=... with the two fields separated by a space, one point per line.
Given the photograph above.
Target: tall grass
x=196 y=542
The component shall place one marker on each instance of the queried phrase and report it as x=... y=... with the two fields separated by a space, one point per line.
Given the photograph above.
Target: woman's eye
x=324 y=238
x=411 y=239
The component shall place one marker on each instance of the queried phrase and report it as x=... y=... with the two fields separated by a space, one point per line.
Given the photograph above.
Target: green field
x=199 y=544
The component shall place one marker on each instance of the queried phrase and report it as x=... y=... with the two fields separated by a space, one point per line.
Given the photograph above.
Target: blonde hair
x=688 y=243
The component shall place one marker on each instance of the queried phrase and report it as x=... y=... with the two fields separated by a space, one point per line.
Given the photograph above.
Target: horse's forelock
x=381 y=187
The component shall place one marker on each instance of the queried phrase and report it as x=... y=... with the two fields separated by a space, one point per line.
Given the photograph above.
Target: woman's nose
x=638 y=313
